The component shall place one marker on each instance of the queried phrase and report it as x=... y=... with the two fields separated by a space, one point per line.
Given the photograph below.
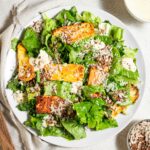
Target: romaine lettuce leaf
x=59 y=88
x=106 y=39
x=31 y=94
x=31 y=41
x=116 y=33
x=91 y=89
x=27 y=106
x=107 y=123
x=82 y=109
x=89 y=17
x=112 y=31
x=130 y=53
x=48 y=25
x=74 y=128
x=56 y=131
x=14 y=43
x=118 y=72
x=66 y=17
x=36 y=123
x=93 y=114
x=15 y=85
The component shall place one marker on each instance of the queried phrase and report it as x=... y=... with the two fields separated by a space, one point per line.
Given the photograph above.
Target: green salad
x=74 y=72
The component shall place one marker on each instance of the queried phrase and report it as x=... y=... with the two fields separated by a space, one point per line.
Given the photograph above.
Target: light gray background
x=141 y=32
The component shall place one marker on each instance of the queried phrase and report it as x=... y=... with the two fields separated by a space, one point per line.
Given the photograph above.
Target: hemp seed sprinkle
x=139 y=137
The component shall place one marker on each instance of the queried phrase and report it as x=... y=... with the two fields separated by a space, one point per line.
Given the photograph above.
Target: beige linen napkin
x=22 y=14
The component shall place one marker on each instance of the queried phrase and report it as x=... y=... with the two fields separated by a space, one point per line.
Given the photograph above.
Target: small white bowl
x=129 y=132
x=135 y=15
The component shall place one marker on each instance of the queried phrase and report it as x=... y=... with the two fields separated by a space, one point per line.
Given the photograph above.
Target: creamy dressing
x=139 y=8
x=76 y=86
x=128 y=64
x=97 y=44
x=39 y=62
x=104 y=28
x=19 y=96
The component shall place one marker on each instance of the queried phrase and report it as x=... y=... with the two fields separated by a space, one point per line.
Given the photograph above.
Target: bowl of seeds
x=138 y=137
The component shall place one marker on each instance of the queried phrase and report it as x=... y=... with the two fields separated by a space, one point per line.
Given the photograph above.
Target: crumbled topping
x=48 y=120
x=102 y=54
x=76 y=86
x=104 y=28
x=19 y=96
x=60 y=108
x=42 y=59
x=37 y=26
x=139 y=137
x=36 y=89
x=128 y=64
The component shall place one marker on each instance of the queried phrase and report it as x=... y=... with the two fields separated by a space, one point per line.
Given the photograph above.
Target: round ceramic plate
x=93 y=137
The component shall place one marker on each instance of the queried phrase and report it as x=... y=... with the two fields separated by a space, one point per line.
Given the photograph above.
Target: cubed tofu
x=64 y=72
x=48 y=104
x=25 y=69
x=116 y=110
x=75 y=32
x=134 y=93
x=96 y=75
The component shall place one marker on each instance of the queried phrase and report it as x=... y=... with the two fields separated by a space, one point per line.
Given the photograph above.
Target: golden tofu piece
x=25 y=69
x=75 y=32
x=44 y=104
x=116 y=110
x=96 y=75
x=134 y=93
x=64 y=72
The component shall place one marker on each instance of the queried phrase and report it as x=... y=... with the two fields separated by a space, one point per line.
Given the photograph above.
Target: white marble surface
x=141 y=32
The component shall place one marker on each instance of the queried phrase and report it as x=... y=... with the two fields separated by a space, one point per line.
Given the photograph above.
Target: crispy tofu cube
x=45 y=104
x=96 y=75
x=25 y=69
x=134 y=93
x=117 y=110
x=64 y=72
x=75 y=32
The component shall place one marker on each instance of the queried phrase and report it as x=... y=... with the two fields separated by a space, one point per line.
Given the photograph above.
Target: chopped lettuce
x=35 y=122
x=108 y=123
x=89 y=17
x=93 y=114
x=31 y=41
x=118 y=72
x=91 y=89
x=59 y=88
x=74 y=128
x=106 y=39
x=27 y=105
x=15 y=85
x=130 y=53
x=38 y=76
x=66 y=17
x=112 y=31
x=56 y=131
x=48 y=25
x=31 y=94
x=116 y=33
x=14 y=43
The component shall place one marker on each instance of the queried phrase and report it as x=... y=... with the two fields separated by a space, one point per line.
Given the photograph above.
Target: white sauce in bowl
x=139 y=9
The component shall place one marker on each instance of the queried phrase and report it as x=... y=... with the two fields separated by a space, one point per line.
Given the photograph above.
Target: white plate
x=93 y=137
